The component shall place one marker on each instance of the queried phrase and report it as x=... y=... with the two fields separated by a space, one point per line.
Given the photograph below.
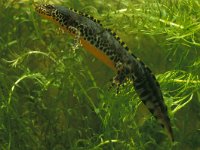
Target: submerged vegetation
x=54 y=95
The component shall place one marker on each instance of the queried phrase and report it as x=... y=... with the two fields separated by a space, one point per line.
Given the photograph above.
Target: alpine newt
x=108 y=47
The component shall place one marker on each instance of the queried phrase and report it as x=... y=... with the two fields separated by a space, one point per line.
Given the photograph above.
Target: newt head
x=46 y=10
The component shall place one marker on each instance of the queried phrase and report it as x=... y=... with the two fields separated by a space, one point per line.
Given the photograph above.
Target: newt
x=105 y=45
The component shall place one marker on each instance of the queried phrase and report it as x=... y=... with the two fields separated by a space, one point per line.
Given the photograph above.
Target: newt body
x=106 y=46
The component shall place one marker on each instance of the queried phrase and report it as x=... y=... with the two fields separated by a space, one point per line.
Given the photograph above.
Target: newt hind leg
x=121 y=77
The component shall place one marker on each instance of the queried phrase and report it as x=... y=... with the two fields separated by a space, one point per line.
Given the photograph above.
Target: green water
x=52 y=97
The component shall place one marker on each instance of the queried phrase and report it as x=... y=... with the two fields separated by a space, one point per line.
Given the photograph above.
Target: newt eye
x=49 y=6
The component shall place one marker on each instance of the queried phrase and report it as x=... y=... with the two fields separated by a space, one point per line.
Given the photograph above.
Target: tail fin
x=149 y=92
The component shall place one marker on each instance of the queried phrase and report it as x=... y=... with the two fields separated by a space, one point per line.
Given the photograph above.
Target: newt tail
x=107 y=47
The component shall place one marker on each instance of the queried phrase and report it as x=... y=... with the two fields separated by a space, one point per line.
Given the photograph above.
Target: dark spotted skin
x=128 y=66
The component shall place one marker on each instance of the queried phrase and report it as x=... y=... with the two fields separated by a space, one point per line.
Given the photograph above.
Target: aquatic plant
x=54 y=95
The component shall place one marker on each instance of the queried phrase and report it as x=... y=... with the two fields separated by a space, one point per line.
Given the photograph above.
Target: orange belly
x=97 y=53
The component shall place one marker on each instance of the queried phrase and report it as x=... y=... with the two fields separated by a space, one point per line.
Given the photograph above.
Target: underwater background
x=55 y=97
